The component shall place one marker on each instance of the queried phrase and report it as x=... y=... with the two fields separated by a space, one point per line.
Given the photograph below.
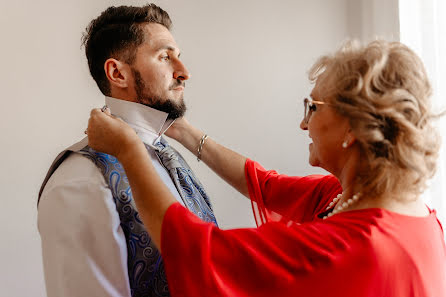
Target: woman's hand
x=186 y=134
x=178 y=129
x=109 y=134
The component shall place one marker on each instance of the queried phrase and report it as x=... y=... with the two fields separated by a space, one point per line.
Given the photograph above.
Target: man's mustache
x=177 y=83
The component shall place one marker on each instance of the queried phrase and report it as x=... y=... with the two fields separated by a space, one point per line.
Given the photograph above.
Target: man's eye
x=165 y=58
x=312 y=107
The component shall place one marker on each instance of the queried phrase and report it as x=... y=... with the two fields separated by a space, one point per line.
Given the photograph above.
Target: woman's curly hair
x=384 y=91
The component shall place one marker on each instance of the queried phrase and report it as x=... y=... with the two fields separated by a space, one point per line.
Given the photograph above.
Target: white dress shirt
x=83 y=245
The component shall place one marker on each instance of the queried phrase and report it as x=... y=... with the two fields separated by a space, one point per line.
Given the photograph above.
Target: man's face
x=159 y=75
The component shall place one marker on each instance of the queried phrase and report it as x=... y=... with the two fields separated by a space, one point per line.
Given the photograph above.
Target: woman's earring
x=345 y=144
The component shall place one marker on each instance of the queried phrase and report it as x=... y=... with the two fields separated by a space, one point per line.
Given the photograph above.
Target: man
x=93 y=241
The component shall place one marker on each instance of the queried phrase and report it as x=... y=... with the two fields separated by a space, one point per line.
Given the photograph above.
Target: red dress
x=370 y=252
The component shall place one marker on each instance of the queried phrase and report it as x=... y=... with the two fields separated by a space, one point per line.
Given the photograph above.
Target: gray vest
x=145 y=265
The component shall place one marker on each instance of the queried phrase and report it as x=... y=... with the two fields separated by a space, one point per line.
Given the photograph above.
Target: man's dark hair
x=117 y=33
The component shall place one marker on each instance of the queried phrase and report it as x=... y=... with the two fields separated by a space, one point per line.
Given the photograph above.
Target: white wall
x=248 y=61
x=371 y=19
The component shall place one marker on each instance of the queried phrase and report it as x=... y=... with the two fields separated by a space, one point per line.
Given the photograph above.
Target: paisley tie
x=187 y=184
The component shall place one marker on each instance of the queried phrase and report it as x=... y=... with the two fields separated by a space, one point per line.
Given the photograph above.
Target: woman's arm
x=152 y=197
x=228 y=164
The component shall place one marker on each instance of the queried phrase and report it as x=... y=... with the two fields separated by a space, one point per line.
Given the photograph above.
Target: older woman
x=362 y=231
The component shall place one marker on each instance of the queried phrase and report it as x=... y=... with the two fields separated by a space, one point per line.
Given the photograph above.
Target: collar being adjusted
x=149 y=123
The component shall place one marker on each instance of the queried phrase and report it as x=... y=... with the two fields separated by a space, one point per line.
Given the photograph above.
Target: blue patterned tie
x=187 y=184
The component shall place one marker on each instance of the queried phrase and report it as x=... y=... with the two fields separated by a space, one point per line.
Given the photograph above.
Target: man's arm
x=83 y=246
x=228 y=164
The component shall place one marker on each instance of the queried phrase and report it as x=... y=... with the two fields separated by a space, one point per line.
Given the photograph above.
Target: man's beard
x=174 y=110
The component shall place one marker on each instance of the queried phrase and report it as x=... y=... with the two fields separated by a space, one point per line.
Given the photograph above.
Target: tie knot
x=168 y=156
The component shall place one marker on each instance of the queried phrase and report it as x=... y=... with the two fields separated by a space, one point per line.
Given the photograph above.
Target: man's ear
x=117 y=72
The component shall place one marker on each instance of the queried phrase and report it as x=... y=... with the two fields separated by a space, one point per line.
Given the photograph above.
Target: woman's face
x=327 y=130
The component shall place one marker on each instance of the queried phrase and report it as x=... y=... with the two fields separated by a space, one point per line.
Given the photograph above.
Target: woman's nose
x=303 y=125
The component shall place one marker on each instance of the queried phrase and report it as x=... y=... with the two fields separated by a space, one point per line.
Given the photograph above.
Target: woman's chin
x=313 y=161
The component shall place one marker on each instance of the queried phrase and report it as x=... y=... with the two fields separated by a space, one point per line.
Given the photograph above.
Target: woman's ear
x=349 y=139
x=117 y=72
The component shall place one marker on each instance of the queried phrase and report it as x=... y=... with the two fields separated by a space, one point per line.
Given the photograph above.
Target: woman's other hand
x=109 y=134
x=178 y=129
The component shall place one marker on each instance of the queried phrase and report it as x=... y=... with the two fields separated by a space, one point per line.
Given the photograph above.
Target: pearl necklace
x=341 y=207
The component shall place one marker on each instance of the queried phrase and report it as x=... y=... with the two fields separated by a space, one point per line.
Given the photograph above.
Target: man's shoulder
x=77 y=166
x=74 y=169
x=67 y=159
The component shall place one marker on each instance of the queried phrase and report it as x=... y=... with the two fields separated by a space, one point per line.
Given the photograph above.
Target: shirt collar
x=149 y=123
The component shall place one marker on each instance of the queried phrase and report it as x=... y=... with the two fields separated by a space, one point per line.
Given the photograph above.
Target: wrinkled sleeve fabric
x=354 y=253
x=272 y=260
x=264 y=261
x=279 y=197
x=83 y=246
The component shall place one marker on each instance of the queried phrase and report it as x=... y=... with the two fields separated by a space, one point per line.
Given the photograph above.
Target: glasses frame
x=308 y=103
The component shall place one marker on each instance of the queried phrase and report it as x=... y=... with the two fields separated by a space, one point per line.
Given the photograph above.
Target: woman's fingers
x=95 y=111
x=101 y=131
x=105 y=109
x=107 y=133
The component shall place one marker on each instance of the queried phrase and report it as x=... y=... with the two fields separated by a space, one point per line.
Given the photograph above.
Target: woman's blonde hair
x=384 y=91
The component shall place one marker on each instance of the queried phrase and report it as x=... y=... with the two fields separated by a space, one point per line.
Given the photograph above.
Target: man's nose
x=181 y=71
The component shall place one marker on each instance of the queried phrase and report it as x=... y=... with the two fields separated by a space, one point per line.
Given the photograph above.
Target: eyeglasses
x=310 y=106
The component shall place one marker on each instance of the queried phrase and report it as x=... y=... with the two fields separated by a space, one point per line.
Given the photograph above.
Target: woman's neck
x=403 y=203
x=410 y=204
x=347 y=175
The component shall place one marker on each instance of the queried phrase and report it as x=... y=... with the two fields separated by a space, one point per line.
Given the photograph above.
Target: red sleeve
x=277 y=197
x=272 y=260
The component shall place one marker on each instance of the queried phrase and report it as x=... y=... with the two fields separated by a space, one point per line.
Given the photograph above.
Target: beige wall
x=248 y=61
x=371 y=19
